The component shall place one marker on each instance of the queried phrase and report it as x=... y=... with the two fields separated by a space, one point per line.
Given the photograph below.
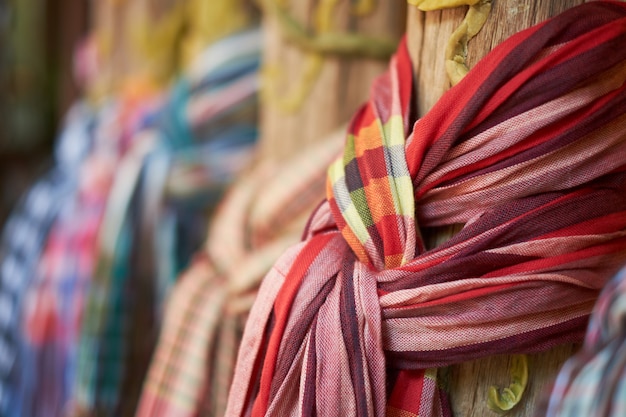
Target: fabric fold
x=262 y=215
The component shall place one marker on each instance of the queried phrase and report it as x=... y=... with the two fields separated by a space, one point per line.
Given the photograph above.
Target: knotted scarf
x=262 y=215
x=592 y=383
x=528 y=151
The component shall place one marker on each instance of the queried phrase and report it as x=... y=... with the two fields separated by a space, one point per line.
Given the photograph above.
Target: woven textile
x=528 y=152
x=263 y=214
x=54 y=303
x=593 y=382
x=53 y=306
x=176 y=164
x=23 y=240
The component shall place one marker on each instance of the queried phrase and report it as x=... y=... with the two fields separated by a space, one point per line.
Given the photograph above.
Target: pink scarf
x=528 y=152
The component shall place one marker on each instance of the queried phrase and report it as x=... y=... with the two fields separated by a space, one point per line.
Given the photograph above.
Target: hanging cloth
x=23 y=240
x=261 y=217
x=528 y=151
x=593 y=382
x=203 y=135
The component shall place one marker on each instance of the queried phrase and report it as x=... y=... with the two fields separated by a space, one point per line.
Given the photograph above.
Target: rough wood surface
x=427 y=36
x=469 y=382
x=341 y=87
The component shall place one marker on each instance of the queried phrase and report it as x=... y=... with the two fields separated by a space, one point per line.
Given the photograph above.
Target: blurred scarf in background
x=23 y=240
x=593 y=382
x=202 y=137
x=91 y=254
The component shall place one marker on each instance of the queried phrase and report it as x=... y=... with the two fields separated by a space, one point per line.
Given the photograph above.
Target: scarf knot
x=528 y=151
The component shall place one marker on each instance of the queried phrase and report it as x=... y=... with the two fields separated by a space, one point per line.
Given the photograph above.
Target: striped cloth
x=528 y=151
x=203 y=135
x=593 y=382
x=263 y=214
x=54 y=302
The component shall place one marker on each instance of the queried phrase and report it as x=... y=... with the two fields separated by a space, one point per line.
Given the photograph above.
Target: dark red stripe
x=501 y=65
x=309 y=395
x=349 y=325
x=289 y=350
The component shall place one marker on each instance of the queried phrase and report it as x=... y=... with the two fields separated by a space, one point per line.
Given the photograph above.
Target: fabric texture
x=177 y=163
x=262 y=215
x=528 y=152
x=23 y=240
x=593 y=382
x=53 y=306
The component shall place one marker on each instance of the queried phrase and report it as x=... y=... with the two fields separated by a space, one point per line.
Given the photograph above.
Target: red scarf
x=529 y=152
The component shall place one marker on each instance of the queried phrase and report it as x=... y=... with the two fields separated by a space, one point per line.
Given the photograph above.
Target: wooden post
x=428 y=33
x=340 y=87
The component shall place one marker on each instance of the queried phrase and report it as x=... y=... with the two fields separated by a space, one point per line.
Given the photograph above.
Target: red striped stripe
x=282 y=307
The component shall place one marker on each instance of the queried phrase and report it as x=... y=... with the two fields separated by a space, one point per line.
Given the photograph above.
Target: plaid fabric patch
x=371 y=171
x=23 y=240
x=53 y=307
